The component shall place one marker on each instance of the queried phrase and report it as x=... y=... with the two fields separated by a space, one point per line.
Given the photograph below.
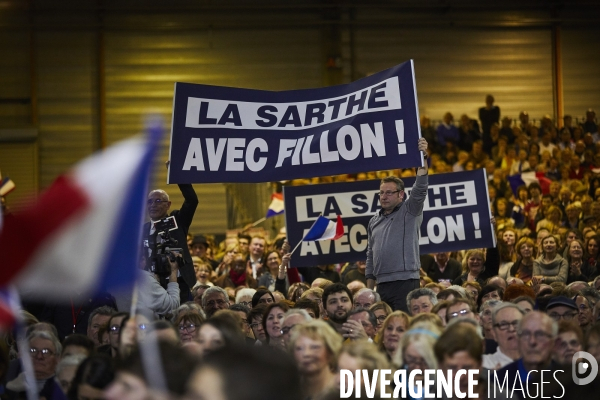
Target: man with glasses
x=290 y=319
x=114 y=329
x=213 y=300
x=505 y=320
x=393 y=244
x=158 y=209
x=561 y=307
x=536 y=335
x=461 y=308
x=255 y=317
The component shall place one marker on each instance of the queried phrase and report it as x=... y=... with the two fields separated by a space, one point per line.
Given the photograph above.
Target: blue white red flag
x=324 y=229
x=527 y=178
x=276 y=206
x=84 y=233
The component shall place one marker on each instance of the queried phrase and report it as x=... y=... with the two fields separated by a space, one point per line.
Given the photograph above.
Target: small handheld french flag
x=324 y=229
x=276 y=206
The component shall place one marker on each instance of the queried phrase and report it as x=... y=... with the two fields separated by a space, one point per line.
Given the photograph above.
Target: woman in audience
x=568 y=342
x=485 y=317
x=296 y=290
x=579 y=268
x=272 y=319
x=219 y=331
x=188 y=325
x=315 y=347
x=523 y=267
x=204 y=272
x=550 y=266
x=473 y=289
x=592 y=253
x=489 y=292
x=93 y=376
x=440 y=310
x=381 y=310
x=315 y=294
x=391 y=332
x=224 y=266
x=476 y=269
x=361 y=355
x=272 y=275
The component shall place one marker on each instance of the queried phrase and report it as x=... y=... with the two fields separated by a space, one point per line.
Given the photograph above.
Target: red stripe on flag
x=26 y=231
x=339 y=228
x=7 y=318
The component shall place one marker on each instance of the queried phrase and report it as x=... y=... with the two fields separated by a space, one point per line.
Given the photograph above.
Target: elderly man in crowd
x=213 y=300
x=365 y=298
x=290 y=319
x=421 y=301
x=98 y=318
x=505 y=320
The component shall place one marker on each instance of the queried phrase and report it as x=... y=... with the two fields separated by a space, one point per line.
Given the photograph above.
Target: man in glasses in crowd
x=393 y=245
x=505 y=320
x=158 y=209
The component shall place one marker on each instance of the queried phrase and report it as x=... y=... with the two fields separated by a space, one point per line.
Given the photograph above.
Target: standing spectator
x=590 y=122
x=489 y=115
x=256 y=255
x=393 y=244
x=447 y=132
x=440 y=267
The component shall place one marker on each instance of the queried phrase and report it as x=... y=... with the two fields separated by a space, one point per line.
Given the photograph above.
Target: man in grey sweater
x=393 y=247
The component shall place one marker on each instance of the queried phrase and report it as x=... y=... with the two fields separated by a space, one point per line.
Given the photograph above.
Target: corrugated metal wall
x=455 y=68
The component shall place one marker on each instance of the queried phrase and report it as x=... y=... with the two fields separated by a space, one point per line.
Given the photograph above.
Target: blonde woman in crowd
x=315 y=347
x=361 y=355
x=381 y=310
x=391 y=333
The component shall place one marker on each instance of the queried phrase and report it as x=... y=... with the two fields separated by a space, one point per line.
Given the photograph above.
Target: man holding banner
x=393 y=244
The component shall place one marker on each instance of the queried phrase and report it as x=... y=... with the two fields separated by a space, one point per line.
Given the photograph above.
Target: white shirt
x=496 y=360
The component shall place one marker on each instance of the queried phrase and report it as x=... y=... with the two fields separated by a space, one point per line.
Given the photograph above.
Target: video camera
x=164 y=250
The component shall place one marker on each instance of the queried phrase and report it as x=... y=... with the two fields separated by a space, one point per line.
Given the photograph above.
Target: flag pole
x=23 y=345
x=298 y=245
x=301 y=240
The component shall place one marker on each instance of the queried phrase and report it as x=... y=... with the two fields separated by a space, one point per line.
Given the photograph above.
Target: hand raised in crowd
x=354 y=330
x=285 y=263
x=423 y=145
x=285 y=248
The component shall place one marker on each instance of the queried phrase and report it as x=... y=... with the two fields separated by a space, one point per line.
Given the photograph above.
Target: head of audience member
x=132 y=378
x=291 y=319
x=473 y=263
x=311 y=307
x=315 y=346
x=537 y=333
x=366 y=318
x=114 y=326
x=527 y=303
x=381 y=310
x=355 y=286
x=361 y=355
x=203 y=271
x=199 y=247
x=490 y=292
x=315 y=294
x=158 y=204
x=485 y=316
x=244 y=243
x=77 y=344
x=448 y=295
x=188 y=324
x=214 y=299
x=93 y=375
x=257 y=247
x=262 y=296
x=243 y=312
x=585 y=303
x=440 y=309
x=133 y=331
x=497 y=281
x=459 y=347
x=244 y=297
x=163 y=330
x=568 y=342
x=421 y=300
x=66 y=369
x=272 y=319
x=577 y=286
x=435 y=287
x=249 y=373
x=219 y=331
x=45 y=350
x=198 y=292
x=337 y=301
x=461 y=308
x=389 y=335
x=296 y=290
x=391 y=193
x=255 y=318
x=365 y=298
x=473 y=289
x=505 y=322
x=415 y=350
x=321 y=283
x=98 y=317
x=561 y=307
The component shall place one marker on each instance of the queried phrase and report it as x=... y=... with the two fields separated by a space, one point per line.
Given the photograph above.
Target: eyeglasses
x=567 y=316
x=213 y=303
x=43 y=352
x=149 y=202
x=505 y=325
x=256 y=325
x=142 y=327
x=388 y=193
x=583 y=307
x=115 y=329
x=246 y=303
x=563 y=344
x=540 y=336
x=188 y=328
x=286 y=329
x=460 y=313
x=381 y=318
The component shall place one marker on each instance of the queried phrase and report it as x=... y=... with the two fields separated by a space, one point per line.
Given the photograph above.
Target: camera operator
x=158 y=209
x=153 y=299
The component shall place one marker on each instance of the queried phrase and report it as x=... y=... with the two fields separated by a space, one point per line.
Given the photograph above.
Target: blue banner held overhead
x=222 y=134
x=456 y=216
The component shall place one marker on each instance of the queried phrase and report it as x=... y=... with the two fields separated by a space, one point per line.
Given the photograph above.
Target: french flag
x=527 y=178
x=324 y=229
x=84 y=233
x=276 y=206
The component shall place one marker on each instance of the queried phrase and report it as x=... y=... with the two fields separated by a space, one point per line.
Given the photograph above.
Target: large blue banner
x=222 y=134
x=456 y=216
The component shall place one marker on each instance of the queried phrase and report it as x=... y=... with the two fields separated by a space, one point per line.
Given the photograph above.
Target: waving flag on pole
x=84 y=232
x=324 y=229
x=527 y=178
x=276 y=206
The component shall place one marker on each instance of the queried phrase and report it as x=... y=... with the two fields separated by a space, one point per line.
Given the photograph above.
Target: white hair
x=296 y=311
x=244 y=292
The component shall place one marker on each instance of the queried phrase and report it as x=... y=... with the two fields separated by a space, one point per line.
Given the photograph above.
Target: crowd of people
x=235 y=320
